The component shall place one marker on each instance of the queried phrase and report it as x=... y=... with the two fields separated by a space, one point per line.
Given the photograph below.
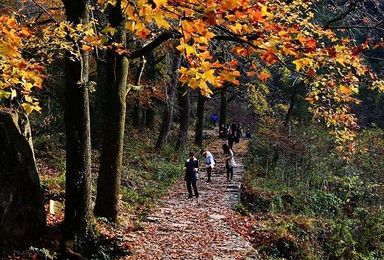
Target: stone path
x=182 y=228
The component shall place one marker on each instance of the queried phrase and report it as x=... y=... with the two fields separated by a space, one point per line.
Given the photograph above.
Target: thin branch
x=45 y=10
x=45 y=22
x=374 y=27
x=342 y=15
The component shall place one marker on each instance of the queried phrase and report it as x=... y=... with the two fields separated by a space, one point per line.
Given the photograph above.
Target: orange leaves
x=86 y=48
x=264 y=75
x=143 y=33
x=241 y=51
x=269 y=57
x=256 y=16
x=210 y=16
x=18 y=75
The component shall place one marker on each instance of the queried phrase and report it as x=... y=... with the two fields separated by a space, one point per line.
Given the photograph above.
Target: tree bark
x=223 y=107
x=98 y=104
x=151 y=75
x=143 y=118
x=111 y=167
x=185 y=111
x=136 y=116
x=200 y=120
x=22 y=214
x=150 y=119
x=78 y=213
x=168 y=111
x=288 y=116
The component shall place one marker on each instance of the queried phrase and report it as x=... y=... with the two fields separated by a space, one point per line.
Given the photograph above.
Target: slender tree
x=223 y=107
x=200 y=120
x=185 y=111
x=169 y=107
x=78 y=214
x=108 y=185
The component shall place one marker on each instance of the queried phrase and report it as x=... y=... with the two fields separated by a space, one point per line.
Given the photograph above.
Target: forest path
x=182 y=228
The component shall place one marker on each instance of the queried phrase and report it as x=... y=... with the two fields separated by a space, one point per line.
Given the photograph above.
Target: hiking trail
x=182 y=228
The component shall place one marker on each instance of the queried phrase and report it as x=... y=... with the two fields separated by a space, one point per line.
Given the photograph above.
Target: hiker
x=231 y=138
x=223 y=132
x=191 y=169
x=248 y=133
x=229 y=161
x=238 y=132
x=214 y=119
x=210 y=162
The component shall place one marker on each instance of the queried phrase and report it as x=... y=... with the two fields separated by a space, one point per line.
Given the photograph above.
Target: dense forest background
x=101 y=101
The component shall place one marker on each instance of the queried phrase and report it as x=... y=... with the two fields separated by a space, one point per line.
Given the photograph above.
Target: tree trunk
x=98 y=104
x=185 y=111
x=150 y=75
x=136 y=116
x=108 y=183
x=168 y=111
x=22 y=214
x=143 y=118
x=288 y=116
x=150 y=119
x=78 y=213
x=200 y=120
x=223 y=108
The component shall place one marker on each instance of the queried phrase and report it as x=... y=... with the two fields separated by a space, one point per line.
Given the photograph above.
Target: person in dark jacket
x=191 y=169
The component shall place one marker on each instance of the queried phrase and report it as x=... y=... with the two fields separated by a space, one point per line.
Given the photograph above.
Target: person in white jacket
x=229 y=161
x=210 y=162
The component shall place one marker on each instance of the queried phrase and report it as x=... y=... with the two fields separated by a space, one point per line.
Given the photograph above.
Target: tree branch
x=359 y=27
x=342 y=15
x=152 y=45
x=46 y=11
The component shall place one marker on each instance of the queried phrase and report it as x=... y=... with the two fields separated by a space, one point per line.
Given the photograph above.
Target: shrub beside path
x=182 y=228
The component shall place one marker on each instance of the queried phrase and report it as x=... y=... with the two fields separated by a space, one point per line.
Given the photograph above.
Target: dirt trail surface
x=182 y=228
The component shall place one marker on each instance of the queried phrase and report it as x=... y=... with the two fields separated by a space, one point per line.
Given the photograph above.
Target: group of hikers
x=191 y=166
x=231 y=133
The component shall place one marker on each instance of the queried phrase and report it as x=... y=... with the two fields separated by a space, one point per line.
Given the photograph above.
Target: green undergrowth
x=314 y=203
x=148 y=173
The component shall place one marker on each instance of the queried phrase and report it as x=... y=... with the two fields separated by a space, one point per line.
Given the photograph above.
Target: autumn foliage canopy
x=266 y=33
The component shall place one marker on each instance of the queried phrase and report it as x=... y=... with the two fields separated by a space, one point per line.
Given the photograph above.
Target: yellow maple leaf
x=345 y=90
x=160 y=21
x=209 y=75
x=303 y=62
x=194 y=83
x=189 y=49
x=265 y=12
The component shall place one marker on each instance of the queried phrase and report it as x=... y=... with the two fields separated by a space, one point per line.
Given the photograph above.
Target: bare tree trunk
x=78 y=213
x=185 y=111
x=108 y=183
x=200 y=120
x=168 y=111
